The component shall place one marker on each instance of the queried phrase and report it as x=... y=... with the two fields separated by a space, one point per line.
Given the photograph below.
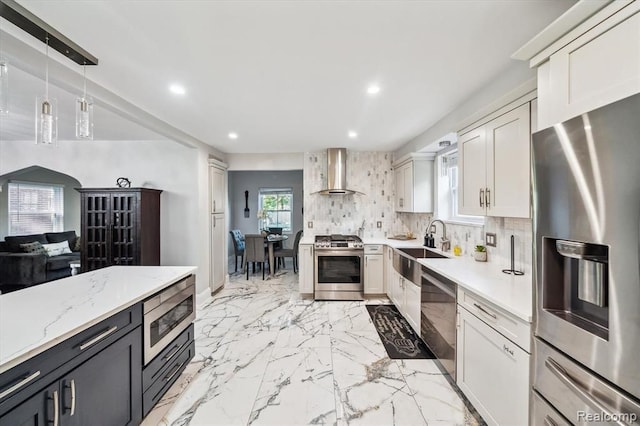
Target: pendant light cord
x=84 y=77
x=46 y=69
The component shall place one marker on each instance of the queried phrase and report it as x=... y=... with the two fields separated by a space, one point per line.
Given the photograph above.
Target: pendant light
x=84 y=112
x=4 y=87
x=46 y=111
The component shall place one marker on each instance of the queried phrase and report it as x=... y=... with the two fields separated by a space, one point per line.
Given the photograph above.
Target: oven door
x=166 y=316
x=339 y=274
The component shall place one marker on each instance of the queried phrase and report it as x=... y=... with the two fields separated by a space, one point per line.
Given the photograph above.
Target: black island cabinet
x=93 y=378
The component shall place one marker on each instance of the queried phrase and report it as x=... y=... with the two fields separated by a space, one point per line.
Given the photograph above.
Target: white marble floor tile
x=297 y=389
x=265 y=356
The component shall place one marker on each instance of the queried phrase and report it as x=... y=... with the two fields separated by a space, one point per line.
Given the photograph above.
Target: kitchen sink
x=420 y=253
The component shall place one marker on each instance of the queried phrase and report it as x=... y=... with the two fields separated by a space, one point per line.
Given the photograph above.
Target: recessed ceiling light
x=177 y=89
x=353 y=134
x=374 y=89
x=233 y=135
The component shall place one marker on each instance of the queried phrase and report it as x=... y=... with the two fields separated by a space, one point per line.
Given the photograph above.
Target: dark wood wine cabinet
x=119 y=226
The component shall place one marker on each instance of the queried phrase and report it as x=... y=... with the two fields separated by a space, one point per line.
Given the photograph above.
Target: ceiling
x=292 y=76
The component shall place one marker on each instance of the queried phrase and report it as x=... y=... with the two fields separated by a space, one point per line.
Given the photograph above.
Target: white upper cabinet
x=593 y=65
x=494 y=164
x=414 y=183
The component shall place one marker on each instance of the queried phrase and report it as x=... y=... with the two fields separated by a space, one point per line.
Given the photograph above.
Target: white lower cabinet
x=374 y=269
x=389 y=273
x=305 y=266
x=373 y=274
x=412 y=305
x=406 y=297
x=492 y=371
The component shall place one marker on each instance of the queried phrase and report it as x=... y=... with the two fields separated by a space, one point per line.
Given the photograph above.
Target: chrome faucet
x=445 y=244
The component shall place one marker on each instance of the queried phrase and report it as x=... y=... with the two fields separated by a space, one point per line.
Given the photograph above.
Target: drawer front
x=544 y=414
x=373 y=248
x=157 y=390
x=513 y=328
x=23 y=380
x=164 y=360
x=577 y=392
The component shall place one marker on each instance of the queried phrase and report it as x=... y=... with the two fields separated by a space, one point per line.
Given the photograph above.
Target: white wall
x=180 y=171
x=283 y=161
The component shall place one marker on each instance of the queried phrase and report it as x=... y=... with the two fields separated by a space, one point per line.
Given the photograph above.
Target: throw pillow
x=56 y=249
x=34 y=247
x=77 y=246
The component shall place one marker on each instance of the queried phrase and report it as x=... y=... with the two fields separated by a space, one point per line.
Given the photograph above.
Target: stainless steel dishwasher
x=438 y=317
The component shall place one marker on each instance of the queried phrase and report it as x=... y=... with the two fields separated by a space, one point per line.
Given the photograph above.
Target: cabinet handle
x=485 y=311
x=481 y=197
x=401 y=202
x=18 y=385
x=72 y=386
x=507 y=350
x=488 y=199
x=56 y=409
x=214 y=205
x=99 y=337
x=169 y=376
x=548 y=421
x=173 y=353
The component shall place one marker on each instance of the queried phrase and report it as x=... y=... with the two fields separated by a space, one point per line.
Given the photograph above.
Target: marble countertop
x=37 y=318
x=485 y=279
x=512 y=293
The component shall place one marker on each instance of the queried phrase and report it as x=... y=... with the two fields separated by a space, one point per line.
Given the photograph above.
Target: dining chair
x=292 y=252
x=279 y=245
x=255 y=251
x=238 y=245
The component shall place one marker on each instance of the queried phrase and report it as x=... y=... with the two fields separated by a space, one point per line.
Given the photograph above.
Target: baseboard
x=203 y=297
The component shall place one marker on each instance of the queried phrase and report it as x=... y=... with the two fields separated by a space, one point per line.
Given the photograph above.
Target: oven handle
x=446 y=288
x=329 y=252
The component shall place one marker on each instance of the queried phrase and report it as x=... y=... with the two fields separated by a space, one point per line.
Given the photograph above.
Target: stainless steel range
x=339 y=267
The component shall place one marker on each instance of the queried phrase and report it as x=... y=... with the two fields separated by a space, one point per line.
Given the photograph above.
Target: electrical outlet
x=378 y=224
x=310 y=224
x=490 y=238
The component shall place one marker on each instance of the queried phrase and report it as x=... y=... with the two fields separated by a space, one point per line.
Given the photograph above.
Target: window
x=35 y=208
x=448 y=179
x=275 y=206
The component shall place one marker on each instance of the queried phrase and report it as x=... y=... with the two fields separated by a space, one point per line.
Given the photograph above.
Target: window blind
x=35 y=208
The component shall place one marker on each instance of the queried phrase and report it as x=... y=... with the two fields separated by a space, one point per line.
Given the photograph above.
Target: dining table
x=271 y=240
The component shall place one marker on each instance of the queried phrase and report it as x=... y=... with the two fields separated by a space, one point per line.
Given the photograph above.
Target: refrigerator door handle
x=579 y=389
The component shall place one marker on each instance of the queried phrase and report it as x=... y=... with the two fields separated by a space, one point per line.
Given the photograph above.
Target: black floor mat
x=399 y=339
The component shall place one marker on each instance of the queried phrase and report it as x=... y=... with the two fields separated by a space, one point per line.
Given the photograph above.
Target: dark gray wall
x=42 y=175
x=252 y=181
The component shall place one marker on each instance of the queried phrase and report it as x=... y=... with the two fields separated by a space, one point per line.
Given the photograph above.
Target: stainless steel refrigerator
x=586 y=359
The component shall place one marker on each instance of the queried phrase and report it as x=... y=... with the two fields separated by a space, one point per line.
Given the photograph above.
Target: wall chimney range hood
x=337 y=173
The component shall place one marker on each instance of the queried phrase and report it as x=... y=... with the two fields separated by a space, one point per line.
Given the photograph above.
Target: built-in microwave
x=166 y=315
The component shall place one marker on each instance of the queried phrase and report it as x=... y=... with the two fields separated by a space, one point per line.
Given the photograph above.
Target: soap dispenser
x=429 y=241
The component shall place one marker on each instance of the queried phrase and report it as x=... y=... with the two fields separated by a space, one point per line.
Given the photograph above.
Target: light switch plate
x=310 y=224
x=490 y=238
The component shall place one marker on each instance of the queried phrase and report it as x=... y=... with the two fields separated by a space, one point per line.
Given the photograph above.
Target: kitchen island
x=71 y=349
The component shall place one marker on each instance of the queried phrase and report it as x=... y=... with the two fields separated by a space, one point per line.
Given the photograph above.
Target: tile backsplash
x=372 y=174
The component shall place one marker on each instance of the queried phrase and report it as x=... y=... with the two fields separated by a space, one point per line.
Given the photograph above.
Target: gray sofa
x=19 y=269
